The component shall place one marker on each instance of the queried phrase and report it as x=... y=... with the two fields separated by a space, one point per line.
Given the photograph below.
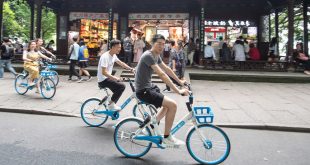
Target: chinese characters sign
x=144 y=16
x=84 y=15
x=229 y=23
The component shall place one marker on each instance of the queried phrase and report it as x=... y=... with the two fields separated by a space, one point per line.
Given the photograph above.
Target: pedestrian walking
x=6 y=53
x=83 y=61
x=74 y=55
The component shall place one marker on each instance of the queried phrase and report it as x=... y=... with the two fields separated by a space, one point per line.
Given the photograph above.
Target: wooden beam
x=306 y=31
x=1 y=18
x=290 y=42
x=31 y=20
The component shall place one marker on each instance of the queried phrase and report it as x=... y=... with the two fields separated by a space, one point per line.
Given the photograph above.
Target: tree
x=17 y=20
x=11 y=27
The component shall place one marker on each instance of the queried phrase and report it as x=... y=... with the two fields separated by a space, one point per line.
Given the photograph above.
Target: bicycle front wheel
x=47 y=87
x=208 y=144
x=21 y=84
x=124 y=141
x=89 y=115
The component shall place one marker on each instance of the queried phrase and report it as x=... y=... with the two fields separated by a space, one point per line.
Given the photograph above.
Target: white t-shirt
x=107 y=61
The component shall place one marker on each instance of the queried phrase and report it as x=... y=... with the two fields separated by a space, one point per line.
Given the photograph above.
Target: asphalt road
x=34 y=139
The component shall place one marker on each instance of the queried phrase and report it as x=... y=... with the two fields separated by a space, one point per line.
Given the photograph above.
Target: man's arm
x=122 y=64
x=163 y=76
x=105 y=73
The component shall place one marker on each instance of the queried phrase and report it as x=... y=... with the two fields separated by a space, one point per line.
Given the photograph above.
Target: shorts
x=83 y=64
x=151 y=96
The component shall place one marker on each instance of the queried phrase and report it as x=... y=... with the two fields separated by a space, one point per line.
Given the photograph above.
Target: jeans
x=128 y=57
x=8 y=65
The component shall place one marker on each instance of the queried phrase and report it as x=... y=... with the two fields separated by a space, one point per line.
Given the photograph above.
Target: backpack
x=85 y=53
x=9 y=52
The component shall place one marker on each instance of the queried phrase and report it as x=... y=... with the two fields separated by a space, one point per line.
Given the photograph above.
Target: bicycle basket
x=46 y=73
x=50 y=66
x=203 y=115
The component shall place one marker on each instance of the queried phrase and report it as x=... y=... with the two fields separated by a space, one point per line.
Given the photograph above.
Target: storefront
x=174 y=26
x=230 y=30
x=92 y=28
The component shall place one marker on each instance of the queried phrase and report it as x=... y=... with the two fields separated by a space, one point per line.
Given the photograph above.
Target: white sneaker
x=171 y=141
x=80 y=80
x=112 y=106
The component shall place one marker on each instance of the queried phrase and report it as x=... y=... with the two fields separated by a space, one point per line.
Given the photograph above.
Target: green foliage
x=17 y=17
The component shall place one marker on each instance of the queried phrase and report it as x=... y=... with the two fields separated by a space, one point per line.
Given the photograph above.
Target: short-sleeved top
x=144 y=71
x=107 y=61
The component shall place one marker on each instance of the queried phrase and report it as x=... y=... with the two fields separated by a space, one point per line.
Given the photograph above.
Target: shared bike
x=95 y=112
x=205 y=142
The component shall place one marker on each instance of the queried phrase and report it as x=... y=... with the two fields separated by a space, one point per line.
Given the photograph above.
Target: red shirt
x=254 y=54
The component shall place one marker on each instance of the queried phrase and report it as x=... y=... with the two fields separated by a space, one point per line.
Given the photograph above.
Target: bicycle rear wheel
x=21 y=84
x=218 y=145
x=124 y=142
x=47 y=87
x=89 y=115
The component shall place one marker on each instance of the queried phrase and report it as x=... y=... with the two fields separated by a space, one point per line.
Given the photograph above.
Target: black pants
x=306 y=64
x=128 y=57
x=175 y=82
x=116 y=87
x=73 y=72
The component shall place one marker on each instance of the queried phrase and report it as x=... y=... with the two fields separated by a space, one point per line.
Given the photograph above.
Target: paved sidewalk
x=235 y=104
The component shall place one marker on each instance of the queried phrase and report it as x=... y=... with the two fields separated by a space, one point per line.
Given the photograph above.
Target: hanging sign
x=229 y=23
x=146 y=16
x=85 y=15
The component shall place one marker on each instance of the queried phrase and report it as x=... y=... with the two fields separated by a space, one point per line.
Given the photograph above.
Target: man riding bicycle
x=105 y=77
x=151 y=62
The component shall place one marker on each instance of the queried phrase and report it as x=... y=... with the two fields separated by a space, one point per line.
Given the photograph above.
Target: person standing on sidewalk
x=104 y=73
x=127 y=45
x=83 y=60
x=7 y=52
x=146 y=91
x=74 y=55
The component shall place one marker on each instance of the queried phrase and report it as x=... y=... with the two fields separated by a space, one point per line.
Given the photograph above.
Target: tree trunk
x=1 y=18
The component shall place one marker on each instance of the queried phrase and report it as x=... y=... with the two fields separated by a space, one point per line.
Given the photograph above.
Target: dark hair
x=172 y=42
x=273 y=41
x=220 y=38
x=209 y=43
x=105 y=41
x=35 y=49
x=157 y=37
x=251 y=45
x=224 y=45
x=82 y=43
x=52 y=41
x=6 y=39
x=74 y=39
x=115 y=42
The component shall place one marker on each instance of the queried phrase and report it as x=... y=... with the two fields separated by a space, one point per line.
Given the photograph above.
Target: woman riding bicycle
x=42 y=50
x=31 y=58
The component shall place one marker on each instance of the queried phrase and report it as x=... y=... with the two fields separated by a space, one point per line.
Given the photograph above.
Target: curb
x=222 y=125
x=36 y=112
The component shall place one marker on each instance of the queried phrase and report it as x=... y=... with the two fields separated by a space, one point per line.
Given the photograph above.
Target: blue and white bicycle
x=94 y=111
x=205 y=142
